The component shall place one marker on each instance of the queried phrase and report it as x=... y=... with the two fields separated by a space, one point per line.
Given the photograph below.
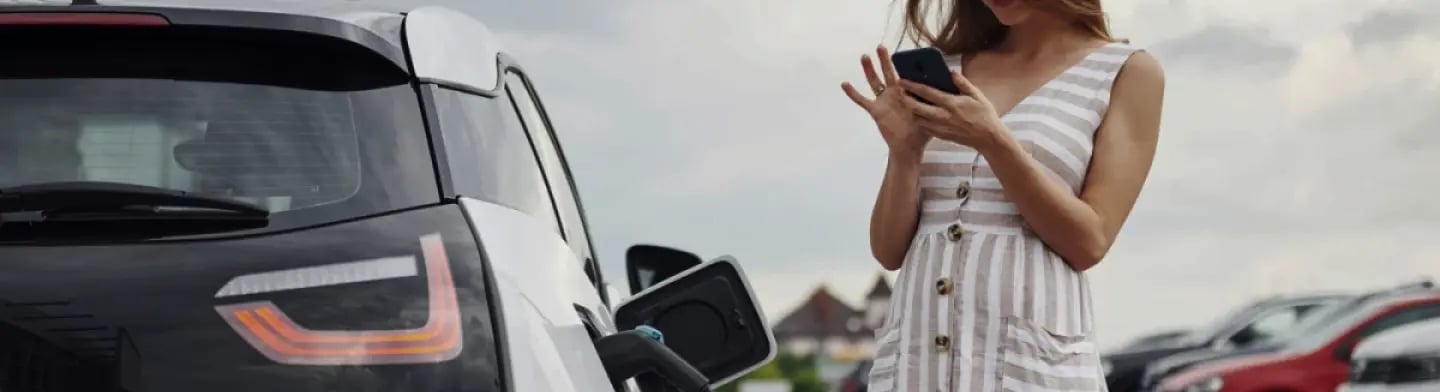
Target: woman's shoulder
x=1140 y=81
x=1142 y=67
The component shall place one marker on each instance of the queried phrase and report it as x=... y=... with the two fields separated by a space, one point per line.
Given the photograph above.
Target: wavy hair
x=968 y=26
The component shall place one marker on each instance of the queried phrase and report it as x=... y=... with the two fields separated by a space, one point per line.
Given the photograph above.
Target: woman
x=996 y=200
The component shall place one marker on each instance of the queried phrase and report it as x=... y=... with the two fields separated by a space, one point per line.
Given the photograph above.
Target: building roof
x=821 y=316
x=881 y=289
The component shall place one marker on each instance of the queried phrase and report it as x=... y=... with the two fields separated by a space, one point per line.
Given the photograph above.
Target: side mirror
x=709 y=317
x=646 y=265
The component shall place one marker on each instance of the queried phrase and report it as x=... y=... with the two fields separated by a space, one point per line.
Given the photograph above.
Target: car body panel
x=451 y=48
x=379 y=17
x=1180 y=361
x=1220 y=368
x=163 y=296
x=540 y=284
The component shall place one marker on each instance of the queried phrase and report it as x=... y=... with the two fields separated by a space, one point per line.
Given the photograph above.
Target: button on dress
x=981 y=303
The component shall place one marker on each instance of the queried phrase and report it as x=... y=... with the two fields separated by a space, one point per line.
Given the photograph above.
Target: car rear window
x=308 y=127
x=282 y=148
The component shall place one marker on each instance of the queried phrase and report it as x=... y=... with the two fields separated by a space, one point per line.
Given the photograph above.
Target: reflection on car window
x=1275 y=323
x=278 y=147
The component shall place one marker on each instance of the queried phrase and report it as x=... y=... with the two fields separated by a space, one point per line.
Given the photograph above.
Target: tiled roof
x=881 y=289
x=822 y=316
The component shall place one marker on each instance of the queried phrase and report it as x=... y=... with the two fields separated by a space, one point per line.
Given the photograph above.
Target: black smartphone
x=925 y=66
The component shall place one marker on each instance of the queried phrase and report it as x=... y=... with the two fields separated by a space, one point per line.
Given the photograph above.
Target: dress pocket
x=1033 y=358
x=883 y=368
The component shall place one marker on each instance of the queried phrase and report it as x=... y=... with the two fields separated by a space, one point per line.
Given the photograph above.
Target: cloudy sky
x=1298 y=149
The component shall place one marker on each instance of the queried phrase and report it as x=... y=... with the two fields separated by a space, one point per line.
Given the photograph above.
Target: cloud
x=1230 y=48
x=1385 y=26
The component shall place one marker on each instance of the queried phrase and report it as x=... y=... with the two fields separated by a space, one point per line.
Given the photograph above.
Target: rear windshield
x=283 y=148
x=312 y=130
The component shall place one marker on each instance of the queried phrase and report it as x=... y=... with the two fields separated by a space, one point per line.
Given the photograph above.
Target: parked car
x=1155 y=339
x=320 y=196
x=1404 y=359
x=1313 y=322
x=1241 y=327
x=857 y=380
x=1318 y=361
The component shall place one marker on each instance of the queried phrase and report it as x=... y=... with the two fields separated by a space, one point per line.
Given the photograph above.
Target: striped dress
x=981 y=304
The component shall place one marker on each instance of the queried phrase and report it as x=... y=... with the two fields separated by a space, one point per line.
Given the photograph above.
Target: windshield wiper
x=87 y=208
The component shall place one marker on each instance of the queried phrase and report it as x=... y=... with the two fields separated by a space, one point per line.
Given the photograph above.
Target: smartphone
x=925 y=66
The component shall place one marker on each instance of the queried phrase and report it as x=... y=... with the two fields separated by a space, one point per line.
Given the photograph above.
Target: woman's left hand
x=966 y=119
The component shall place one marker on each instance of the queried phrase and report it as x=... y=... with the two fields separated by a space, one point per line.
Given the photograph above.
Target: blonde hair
x=968 y=26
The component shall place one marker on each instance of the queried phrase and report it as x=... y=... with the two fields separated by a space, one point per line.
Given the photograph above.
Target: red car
x=1318 y=361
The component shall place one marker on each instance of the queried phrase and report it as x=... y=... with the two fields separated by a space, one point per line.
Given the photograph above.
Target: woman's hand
x=967 y=118
x=896 y=122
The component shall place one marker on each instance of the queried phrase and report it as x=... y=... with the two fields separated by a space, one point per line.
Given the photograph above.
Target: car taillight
x=279 y=338
x=81 y=18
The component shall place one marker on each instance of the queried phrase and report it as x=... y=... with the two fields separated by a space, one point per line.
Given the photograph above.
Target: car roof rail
x=1411 y=287
x=1424 y=284
x=1421 y=284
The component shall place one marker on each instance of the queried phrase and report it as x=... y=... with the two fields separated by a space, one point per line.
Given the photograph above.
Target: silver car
x=1405 y=359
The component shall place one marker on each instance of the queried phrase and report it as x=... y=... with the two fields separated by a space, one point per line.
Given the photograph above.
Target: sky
x=1295 y=152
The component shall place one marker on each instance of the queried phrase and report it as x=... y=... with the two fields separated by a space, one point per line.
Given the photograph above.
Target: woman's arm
x=896 y=213
x=897 y=210
x=1081 y=230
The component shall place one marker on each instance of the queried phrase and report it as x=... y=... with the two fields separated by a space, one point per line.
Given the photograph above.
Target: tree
x=798 y=369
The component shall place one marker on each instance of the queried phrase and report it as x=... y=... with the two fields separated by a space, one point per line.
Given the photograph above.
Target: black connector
x=629 y=354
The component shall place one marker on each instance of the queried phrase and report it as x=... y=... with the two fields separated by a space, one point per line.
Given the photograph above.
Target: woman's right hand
x=895 y=120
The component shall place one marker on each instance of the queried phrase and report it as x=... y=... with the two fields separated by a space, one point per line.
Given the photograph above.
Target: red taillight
x=81 y=18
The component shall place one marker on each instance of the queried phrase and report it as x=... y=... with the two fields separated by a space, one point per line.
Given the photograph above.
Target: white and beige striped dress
x=981 y=304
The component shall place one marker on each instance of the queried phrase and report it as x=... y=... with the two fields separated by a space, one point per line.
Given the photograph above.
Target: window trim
x=592 y=265
x=508 y=93
x=441 y=146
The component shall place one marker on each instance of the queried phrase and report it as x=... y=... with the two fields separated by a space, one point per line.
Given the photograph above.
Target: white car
x=1405 y=359
x=318 y=195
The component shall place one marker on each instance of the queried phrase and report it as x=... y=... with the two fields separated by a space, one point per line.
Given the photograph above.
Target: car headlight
x=1212 y=384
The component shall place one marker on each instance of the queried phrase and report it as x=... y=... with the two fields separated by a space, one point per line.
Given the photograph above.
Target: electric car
x=317 y=196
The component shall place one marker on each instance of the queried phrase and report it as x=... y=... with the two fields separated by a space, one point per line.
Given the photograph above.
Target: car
x=1256 y=321
x=1404 y=359
x=857 y=380
x=1155 y=339
x=1315 y=362
x=1313 y=321
x=318 y=196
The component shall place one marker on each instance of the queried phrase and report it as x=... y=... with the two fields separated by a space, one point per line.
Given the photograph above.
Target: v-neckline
x=1036 y=91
